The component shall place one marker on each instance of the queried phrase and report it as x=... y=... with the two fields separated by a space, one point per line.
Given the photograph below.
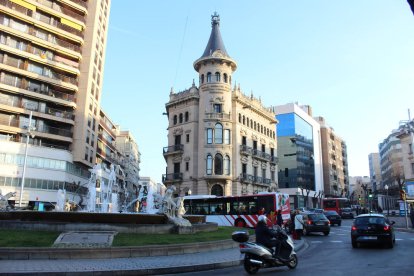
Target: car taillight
x=309 y=222
x=387 y=228
x=353 y=228
x=242 y=245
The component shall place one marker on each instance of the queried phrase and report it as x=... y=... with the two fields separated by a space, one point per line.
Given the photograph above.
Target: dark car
x=316 y=210
x=315 y=222
x=333 y=217
x=347 y=213
x=372 y=228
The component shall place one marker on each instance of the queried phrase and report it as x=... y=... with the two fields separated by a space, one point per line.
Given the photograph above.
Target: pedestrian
x=298 y=225
x=412 y=215
x=379 y=209
x=279 y=219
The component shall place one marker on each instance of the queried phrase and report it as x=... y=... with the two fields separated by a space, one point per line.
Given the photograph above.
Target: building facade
x=335 y=162
x=220 y=141
x=299 y=152
x=375 y=171
x=52 y=57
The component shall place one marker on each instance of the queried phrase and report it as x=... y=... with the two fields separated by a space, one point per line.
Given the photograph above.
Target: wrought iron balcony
x=261 y=155
x=173 y=149
x=172 y=177
x=246 y=178
x=274 y=159
x=222 y=116
x=245 y=150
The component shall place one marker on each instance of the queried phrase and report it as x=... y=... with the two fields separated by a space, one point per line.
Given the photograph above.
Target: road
x=334 y=255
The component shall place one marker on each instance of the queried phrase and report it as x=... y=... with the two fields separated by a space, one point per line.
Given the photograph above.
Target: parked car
x=333 y=217
x=372 y=228
x=316 y=210
x=315 y=222
x=347 y=213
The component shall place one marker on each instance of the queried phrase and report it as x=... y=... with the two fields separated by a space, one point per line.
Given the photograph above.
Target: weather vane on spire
x=215 y=19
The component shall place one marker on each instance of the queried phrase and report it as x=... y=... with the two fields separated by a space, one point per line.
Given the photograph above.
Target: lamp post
x=28 y=134
x=386 y=200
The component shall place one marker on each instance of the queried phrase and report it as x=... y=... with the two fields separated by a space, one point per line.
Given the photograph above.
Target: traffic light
x=403 y=195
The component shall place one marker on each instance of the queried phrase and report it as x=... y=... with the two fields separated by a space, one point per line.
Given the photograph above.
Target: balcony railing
x=223 y=116
x=7 y=121
x=245 y=149
x=51 y=38
x=80 y=2
x=274 y=159
x=261 y=155
x=54 y=130
x=172 y=177
x=61 y=9
x=172 y=149
x=246 y=178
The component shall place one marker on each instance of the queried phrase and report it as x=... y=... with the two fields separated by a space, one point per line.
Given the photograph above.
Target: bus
x=239 y=211
x=336 y=204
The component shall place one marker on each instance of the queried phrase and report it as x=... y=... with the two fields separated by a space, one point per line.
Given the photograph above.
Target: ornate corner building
x=220 y=141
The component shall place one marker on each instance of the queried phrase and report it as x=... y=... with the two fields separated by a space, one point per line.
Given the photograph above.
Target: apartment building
x=375 y=171
x=51 y=69
x=335 y=161
x=220 y=141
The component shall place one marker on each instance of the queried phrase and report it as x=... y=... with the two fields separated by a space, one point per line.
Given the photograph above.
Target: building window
x=227 y=165
x=263 y=174
x=209 y=136
x=187 y=166
x=186 y=116
x=218 y=134
x=180 y=118
x=272 y=175
x=217 y=108
x=209 y=165
x=88 y=133
x=225 y=77
x=227 y=136
x=240 y=118
x=247 y=121
x=175 y=119
x=208 y=77
x=86 y=153
x=202 y=78
x=244 y=140
x=187 y=138
x=244 y=120
x=218 y=77
x=93 y=140
x=218 y=164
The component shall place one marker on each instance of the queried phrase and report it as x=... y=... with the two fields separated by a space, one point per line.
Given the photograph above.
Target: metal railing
x=61 y=9
x=173 y=148
x=52 y=39
x=54 y=130
x=7 y=121
x=172 y=177
x=80 y=2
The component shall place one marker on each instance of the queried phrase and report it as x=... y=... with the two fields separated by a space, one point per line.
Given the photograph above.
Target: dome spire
x=215 y=42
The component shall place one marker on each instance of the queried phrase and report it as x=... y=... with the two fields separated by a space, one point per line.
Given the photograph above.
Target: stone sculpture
x=173 y=208
x=4 y=204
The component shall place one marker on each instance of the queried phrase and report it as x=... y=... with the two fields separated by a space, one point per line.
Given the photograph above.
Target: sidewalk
x=130 y=266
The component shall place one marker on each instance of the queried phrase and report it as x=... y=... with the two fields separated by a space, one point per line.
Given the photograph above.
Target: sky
x=351 y=61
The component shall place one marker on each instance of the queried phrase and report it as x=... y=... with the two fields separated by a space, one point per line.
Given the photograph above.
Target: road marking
x=336 y=241
x=399 y=239
x=340 y=234
x=316 y=241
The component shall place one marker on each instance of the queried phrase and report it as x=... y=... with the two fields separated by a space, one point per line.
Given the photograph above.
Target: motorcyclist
x=264 y=235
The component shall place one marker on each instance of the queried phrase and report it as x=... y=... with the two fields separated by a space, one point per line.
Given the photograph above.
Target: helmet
x=263 y=218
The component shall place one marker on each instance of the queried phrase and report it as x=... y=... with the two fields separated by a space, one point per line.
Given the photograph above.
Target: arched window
x=226 y=165
x=186 y=116
x=225 y=77
x=247 y=119
x=180 y=118
x=218 y=164
x=254 y=126
x=217 y=77
x=244 y=120
x=251 y=123
x=218 y=134
x=208 y=77
x=217 y=190
x=261 y=129
x=209 y=165
x=175 y=119
x=202 y=78
x=209 y=136
x=240 y=118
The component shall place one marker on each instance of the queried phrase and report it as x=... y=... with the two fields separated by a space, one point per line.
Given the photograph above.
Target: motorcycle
x=257 y=256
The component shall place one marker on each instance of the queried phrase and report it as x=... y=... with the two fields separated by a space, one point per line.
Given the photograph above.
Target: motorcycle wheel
x=293 y=262
x=249 y=267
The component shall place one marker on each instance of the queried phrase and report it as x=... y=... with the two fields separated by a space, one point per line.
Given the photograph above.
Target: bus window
x=267 y=203
x=216 y=208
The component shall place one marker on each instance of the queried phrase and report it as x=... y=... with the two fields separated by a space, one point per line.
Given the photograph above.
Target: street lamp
x=386 y=200
x=28 y=135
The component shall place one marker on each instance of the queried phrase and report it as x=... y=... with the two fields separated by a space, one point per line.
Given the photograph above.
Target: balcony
x=66 y=11
x=50 y=38
x=245 y=150
x=17 y=82
x=219 y=116
x=172 y=177
x=54 y=130
x=173 y=149
x=274 y=160
x=246 y=178
x=20 y=64
x=80 y=2
x=38 y=16
x=261 y=155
